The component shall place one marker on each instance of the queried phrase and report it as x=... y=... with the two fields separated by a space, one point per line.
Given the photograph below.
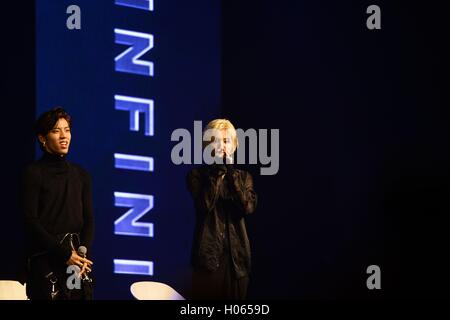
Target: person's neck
x=54 y=156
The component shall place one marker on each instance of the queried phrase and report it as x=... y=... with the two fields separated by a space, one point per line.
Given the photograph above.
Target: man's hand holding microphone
x=78 y=258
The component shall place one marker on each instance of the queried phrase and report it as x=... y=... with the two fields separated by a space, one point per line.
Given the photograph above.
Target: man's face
x=222 y=143
x=58 y=139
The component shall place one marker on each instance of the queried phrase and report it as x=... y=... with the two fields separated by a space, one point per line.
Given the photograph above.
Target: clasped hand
x=84 y=263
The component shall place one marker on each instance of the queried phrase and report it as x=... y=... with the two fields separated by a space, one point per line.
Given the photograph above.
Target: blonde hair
x=223 y=124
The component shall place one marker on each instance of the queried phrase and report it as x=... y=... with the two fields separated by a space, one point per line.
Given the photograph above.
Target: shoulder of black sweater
x=31 y=167
x=82 y=173
x=32 y=170
x=36 y=166
x=80 y=169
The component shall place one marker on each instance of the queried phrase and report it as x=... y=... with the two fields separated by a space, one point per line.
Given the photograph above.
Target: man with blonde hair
x=223 y=196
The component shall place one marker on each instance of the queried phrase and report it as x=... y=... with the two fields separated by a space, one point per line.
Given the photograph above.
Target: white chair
x=151 y=290
x=12 y=290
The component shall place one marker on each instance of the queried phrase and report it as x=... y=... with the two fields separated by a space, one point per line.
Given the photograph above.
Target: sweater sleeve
x=31 y=181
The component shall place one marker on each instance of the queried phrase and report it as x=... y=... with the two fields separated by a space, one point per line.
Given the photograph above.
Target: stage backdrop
x=134 y=71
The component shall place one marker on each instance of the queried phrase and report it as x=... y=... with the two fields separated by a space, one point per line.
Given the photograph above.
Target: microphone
x=82 y=251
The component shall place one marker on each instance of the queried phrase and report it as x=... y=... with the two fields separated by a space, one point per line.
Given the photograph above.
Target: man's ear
x=41 y=138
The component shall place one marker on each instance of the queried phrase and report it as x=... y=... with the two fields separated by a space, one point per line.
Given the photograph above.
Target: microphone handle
x=85 y=276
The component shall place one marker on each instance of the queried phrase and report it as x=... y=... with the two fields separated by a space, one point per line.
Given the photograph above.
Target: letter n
x=128 y=61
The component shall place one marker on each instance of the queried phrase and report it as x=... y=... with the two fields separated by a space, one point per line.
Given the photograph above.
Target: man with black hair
x=57 y=203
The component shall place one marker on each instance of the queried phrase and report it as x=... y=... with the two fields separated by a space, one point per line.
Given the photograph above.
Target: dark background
x=364 y=132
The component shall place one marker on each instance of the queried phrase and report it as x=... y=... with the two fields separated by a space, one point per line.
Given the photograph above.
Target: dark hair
x=47 y=121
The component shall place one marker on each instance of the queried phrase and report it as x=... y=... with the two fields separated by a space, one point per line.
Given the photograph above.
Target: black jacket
x=221 y=205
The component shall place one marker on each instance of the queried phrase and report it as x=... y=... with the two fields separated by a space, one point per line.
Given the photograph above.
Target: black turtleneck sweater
x=57 y=199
